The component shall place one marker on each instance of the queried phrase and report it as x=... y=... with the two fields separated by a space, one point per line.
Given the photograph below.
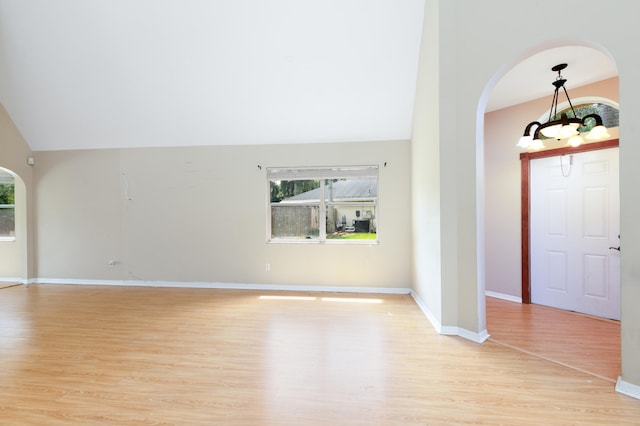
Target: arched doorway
x=13 y=232
x=501 y=172
x=500 y=164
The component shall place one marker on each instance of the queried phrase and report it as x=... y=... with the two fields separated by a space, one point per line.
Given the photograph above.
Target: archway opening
x=500 y=267
x=13 y=228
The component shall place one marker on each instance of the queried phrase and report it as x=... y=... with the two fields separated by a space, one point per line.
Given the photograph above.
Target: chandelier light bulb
x=525 y=142
x=575 y=141
x=551 y=131
x=567 y=131
x=536 y=144
x=597 y=132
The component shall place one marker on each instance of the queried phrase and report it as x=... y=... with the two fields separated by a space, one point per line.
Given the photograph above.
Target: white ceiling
x=78 y=74
x=115 y=73
x=532 y=78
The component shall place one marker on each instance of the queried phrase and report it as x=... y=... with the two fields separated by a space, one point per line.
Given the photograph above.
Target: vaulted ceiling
x=78 y=74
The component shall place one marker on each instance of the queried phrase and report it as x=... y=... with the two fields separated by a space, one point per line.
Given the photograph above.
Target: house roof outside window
x=350 y=190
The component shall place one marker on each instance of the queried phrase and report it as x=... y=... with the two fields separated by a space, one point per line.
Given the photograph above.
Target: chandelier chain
x=568 y=173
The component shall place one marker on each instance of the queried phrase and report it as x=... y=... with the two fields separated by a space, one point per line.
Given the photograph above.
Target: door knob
x=615 y=248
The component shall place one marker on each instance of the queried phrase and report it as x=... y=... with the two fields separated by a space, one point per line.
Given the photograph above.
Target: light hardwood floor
x=583 y=342
x=134 y=355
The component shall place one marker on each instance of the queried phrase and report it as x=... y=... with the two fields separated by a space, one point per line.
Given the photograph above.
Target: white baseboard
x=226 y=286
x=627 y=388
x=432 y=318
x=449 y=330
x=18 y=280
x=480 y=337
x=503 y=296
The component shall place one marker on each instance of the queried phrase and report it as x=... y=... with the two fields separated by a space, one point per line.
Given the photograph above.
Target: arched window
x=610 y=115
x=7 y=206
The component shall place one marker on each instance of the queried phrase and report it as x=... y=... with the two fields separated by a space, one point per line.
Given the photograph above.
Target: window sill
x=7 y=239
x=329 y=242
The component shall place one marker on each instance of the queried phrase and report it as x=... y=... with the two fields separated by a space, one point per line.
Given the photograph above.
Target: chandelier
x=564 y=127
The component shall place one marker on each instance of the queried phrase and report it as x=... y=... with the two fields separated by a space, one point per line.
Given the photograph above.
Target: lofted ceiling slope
x=78 y=74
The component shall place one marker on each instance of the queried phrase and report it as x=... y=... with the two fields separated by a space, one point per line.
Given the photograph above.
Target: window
x=7 y=207
x=337 y=204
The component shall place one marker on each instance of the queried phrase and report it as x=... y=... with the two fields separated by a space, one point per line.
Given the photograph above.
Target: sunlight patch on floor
x=351 y=300
x=287 y=298
x=323 y=299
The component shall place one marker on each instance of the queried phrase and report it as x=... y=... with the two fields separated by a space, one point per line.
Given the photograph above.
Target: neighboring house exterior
x=350 y=204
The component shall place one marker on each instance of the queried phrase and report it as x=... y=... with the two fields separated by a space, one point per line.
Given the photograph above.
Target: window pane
x=7 y=222
x=351 y=208
x=351 y=190
x=295 y=221
x=7 y=217
x=294 y=191
x=351 y=222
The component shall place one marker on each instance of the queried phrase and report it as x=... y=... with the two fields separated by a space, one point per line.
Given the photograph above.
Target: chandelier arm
x=527 y=130
x=554 y=106
x=536 y=134
x=569 y=100
x=596 y=117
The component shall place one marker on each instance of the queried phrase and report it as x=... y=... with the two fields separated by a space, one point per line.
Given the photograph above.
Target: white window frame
x=9 y=206
x=311 y=173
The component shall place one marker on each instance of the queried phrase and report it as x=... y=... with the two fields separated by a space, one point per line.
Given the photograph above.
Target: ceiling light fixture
x=564 y=127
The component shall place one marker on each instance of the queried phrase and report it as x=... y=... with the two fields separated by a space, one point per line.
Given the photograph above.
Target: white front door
x=574 y=221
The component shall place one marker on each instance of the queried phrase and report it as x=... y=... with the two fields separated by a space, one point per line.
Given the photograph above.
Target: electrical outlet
x=267 y=267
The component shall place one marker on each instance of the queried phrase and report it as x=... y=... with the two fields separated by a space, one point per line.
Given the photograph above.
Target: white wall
x=444 y=180
x=199 y=215
x=425 y=171
x=502 y=211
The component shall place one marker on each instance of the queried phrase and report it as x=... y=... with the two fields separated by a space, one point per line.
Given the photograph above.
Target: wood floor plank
x=137 y=355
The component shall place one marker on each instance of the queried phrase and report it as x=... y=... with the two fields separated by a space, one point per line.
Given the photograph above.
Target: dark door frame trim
x=525 y=159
